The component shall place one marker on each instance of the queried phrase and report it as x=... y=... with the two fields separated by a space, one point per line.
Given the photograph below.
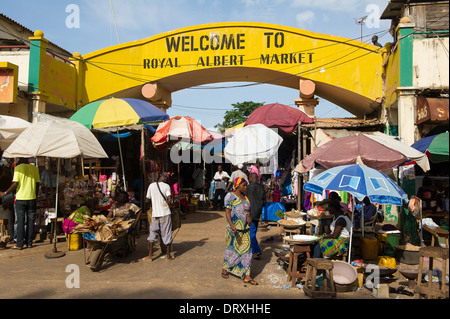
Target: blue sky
x=138 y=19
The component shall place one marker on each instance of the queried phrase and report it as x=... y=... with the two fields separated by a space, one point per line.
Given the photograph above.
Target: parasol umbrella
x=380 y=152
x=251 y=143
x=360 y=181
x=114 y=113
x=180 y=127
x=278 y=115
x=232 y=130
x=435 y=146
x=10 y=128
x=58 y=139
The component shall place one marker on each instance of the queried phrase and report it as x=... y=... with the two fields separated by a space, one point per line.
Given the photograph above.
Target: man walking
x=221 y=178
x=26 y=183
x=161 y=223
x=257 y=196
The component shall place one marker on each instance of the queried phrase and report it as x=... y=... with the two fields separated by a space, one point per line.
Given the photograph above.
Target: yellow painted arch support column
x=346 y=72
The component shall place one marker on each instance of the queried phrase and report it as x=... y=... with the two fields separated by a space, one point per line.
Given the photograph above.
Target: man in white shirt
x=160 y=196
x=221 y=178
x=237 y=173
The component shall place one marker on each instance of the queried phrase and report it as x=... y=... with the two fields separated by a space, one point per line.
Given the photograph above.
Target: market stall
x=56 y=139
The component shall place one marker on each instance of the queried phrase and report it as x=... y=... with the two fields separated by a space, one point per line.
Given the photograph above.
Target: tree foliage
x=237 y=115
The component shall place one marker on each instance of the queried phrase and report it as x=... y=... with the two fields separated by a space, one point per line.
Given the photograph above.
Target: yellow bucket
x=74 y=241
x=386 y=261
x=369 y=248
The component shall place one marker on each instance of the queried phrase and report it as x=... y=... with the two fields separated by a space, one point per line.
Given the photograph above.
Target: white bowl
x=344 y=273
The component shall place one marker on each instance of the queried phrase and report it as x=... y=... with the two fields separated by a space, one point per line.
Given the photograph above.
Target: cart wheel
x=96 y=259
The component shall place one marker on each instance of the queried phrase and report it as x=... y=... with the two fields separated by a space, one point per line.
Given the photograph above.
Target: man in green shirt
x=26 y=183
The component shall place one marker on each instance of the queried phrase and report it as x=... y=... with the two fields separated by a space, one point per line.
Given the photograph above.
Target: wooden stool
x=292 y=270
x=437 y=232
x=430 y=288
x=315 y=265
x=52 y=230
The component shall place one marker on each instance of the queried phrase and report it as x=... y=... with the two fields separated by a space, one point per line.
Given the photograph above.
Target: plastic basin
x=344 y=273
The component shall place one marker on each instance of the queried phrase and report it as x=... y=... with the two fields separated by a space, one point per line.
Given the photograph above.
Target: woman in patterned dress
x=123 y=207
x=337 y=242
x=238 y=253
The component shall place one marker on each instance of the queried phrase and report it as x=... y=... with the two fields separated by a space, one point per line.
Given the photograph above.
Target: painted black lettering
x=268 y=35
x=215 y=45
x=173 y=44
x=204 y=39
x=200 y=62
x=284 y=58
x=192 y=44
x=264 y=59
x=240 y=39
x=292 y=58
x=146 y=63
x=300 y=57
x=274 y=59
x=279 y=39
x=185 y=43
x=228 y=42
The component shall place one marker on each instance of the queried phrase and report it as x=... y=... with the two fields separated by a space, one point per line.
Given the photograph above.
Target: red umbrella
x=380 y=152
x=180 y=127
x=278 y=115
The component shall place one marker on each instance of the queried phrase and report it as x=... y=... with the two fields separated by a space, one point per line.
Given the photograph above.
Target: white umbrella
x=251 y=143
x=10 y=128
x=59 y=139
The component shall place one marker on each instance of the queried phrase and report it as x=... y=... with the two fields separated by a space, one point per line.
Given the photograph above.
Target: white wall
x=22 y=60
x=431 y=63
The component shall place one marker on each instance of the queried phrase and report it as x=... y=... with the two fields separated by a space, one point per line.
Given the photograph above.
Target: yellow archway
x=346 y=72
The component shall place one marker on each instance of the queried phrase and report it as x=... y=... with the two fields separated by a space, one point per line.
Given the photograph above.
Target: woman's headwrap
x=238 y=181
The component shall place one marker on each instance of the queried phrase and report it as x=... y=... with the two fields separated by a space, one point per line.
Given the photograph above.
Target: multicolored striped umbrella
x=435 y=146
x=116 y=112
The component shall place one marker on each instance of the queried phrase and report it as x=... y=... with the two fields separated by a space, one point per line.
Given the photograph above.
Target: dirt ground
x=194 y=274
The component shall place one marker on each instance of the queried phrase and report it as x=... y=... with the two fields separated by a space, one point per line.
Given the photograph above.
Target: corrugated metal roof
x=344 y=123
x=2 y=16
x=394 y=7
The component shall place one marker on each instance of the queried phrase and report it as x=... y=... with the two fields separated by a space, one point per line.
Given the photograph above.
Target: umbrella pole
x=351 y=231
x=55 y=253
x=362 y=219
x=121 y=160
x=179 y=188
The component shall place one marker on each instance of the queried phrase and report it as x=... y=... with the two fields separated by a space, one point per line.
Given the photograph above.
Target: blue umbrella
x=360 y=181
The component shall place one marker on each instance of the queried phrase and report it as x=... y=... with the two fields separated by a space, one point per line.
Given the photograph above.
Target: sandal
x=225 y=275
x=251 y=282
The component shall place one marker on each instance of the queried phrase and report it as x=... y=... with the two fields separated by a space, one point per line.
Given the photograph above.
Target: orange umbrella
x=180 y=127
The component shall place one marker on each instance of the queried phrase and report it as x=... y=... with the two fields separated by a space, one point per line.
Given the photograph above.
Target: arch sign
x=346 y=72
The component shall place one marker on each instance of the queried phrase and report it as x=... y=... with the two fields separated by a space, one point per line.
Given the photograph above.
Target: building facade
x=416 y=69
x=35 y=74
